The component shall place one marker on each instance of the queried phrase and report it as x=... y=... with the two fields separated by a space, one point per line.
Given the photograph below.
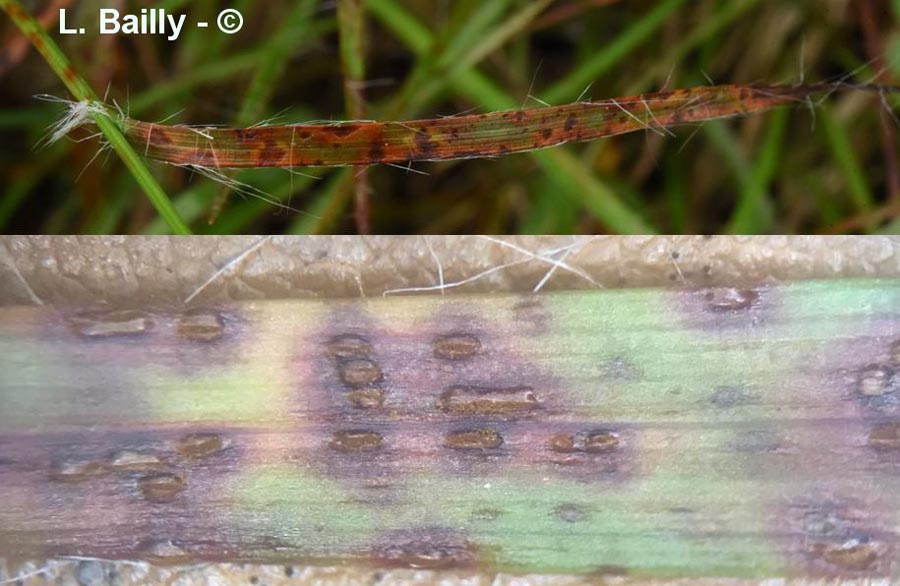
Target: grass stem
x=82 y=92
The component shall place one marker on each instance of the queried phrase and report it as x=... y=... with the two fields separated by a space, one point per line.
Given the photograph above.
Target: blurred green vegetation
x=790 y=171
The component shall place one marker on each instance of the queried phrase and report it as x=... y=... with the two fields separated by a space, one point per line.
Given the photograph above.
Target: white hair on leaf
x=77 y=115
x=240 y=188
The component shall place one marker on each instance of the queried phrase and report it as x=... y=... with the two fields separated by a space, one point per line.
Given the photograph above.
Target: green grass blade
x=574 y=84
x=753 y=213
x=328 y=207
x=273 y=60
x=83 y=92
x=842 y=149
x=560 y=165
x=711 y=26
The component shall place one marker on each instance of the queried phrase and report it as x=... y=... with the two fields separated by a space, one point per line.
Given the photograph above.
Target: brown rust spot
x=432 y=558
x=834 y=531
x=356 y=440
x=75 y=470
x=875 y=381
x=130 y=461
x=349 y=346
x=457 y=346
x=200 y=325
x=159 y=138
x=852 y=555
x=367 y=397
x=895 y=353
x=164 y=552
x=15 y=12
x=161 y=488
x=461 y=400
x=728 y=299
x=359 y=371
x=112 y=323
x=885 y=436
x=531 y=315
x=570 y=513
x=425 y=146
x=473 y=439
x=376 y=152
x=37 y=41
x=486 y=514
x=426 y=551
x=594 y=442
x=199 y=445
x=272 y=152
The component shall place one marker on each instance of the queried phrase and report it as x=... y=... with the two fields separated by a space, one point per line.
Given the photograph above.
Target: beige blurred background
x=164 y=271
x=171 y=270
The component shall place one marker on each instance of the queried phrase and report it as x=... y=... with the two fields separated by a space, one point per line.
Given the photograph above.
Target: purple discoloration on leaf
x=843 y=525
x=200 y=325
x=832 y=535
x=432 y=548
x=449 y=394
x=532 y=316
x=724 y=309
x=804 y=434
x=135 y=479
x=183 y=341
